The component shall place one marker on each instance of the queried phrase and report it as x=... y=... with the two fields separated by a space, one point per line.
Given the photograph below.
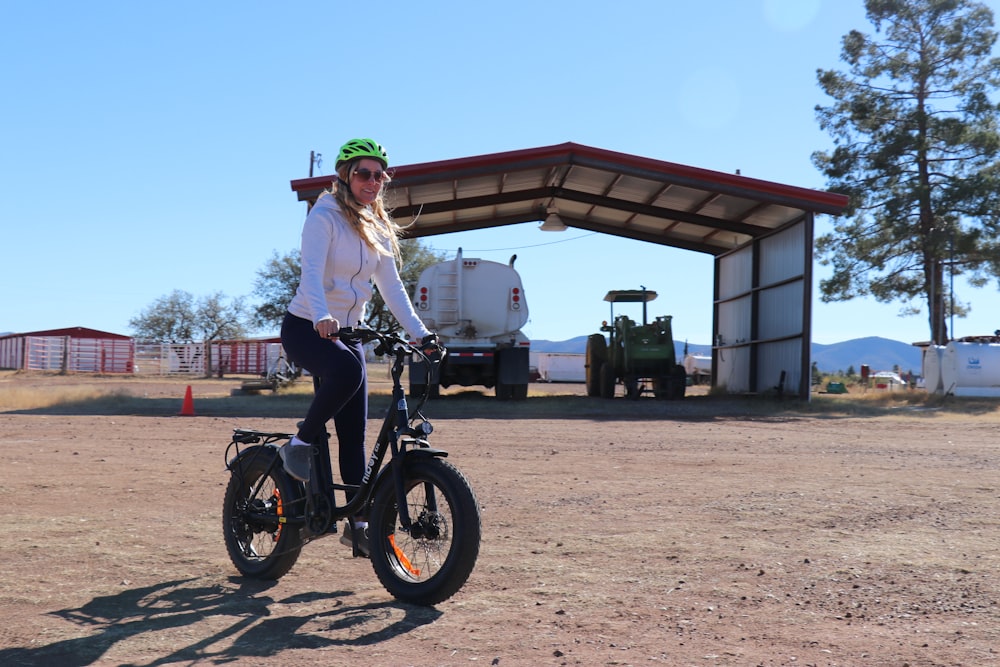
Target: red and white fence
x=70 y=354
x=249 y=357
x=67 y=354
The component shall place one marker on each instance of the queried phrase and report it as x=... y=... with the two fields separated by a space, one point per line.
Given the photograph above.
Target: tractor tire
x=607 y=380
x=661 y=387
x=632 y=390
x=678 y=383
x=597 y=354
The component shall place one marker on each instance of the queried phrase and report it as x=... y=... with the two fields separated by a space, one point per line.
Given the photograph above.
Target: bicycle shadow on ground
x=234 y=620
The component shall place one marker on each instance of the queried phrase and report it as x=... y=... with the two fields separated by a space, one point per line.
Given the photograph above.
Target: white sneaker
x=297 y=460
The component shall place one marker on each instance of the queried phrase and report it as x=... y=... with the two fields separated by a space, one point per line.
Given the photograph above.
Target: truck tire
x=504 y=392
x=417 y=391
x=519 y=392
x=607 y=380
x=597 y=354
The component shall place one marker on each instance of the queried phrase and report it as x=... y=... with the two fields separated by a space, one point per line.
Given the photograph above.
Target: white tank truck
x=477 y=308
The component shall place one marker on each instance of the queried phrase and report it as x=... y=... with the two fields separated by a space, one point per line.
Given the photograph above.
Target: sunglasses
x=366 y=175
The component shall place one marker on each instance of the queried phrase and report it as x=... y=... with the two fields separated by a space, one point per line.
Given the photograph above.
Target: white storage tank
x=971 y=369
x=698 y=367
x=560 y=367
x=932 y=369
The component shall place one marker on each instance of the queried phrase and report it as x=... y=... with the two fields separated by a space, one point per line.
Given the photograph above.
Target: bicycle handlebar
x=389 y=340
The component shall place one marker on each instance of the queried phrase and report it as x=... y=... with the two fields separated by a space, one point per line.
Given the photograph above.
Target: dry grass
x=104 y=395
x=16 y=397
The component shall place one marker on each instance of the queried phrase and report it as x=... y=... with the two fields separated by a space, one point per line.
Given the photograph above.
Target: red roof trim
x=570 y=153
x=72 y=332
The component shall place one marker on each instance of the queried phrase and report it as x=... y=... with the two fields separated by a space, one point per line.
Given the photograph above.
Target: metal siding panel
x=779 y=356
x=734 y=369
x=736 y=273
x=780 y=310
x=10 y=352
x=734 y=321
x=781 y=255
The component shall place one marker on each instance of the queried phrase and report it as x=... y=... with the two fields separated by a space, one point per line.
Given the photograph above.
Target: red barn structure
x=70 y=350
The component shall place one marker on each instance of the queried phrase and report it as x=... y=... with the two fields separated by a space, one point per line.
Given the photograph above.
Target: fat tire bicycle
x=424 y=523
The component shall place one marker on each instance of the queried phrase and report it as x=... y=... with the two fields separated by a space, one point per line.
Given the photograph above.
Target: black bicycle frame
x=395 y=429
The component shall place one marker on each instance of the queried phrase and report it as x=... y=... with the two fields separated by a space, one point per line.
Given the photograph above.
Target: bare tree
x=179 y=318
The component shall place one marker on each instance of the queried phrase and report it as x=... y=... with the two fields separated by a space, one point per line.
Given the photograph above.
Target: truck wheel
x=504 y=392
x=418 y=390
x=597 y=354
x=607 y=379
x=519 y=392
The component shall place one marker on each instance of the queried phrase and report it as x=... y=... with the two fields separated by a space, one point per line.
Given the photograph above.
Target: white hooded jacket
x=337 y=272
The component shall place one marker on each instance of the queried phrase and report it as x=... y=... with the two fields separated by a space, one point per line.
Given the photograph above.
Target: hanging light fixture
x=553 y=223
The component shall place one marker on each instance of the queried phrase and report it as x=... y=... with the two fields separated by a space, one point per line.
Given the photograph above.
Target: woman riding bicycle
x=348 y=240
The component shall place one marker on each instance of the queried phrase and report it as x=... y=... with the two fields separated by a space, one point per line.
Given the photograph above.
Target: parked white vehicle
x=477 y=308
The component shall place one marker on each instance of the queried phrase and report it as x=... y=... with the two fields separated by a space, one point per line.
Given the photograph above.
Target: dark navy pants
x=342 y=394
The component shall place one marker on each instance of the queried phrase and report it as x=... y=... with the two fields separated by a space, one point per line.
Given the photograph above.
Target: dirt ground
x=702 y=532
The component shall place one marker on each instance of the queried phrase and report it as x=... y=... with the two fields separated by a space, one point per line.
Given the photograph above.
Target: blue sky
x=149 y=147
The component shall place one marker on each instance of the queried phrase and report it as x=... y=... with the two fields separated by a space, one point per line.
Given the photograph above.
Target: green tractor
x=634 y=354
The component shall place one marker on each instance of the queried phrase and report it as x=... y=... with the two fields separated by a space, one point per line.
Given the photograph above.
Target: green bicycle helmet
x=356 y=148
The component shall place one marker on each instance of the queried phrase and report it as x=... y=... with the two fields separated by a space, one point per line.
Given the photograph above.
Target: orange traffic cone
x=187 y=410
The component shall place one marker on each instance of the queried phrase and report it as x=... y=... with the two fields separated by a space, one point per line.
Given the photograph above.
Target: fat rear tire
x=260 y=543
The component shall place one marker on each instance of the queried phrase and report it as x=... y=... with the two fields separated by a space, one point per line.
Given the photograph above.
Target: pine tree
x=916 y=147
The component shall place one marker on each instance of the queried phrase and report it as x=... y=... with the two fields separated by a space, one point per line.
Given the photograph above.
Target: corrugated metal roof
x=596 y=190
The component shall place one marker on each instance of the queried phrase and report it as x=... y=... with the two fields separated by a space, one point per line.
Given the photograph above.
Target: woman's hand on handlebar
x=328 y=328
x=430 y=344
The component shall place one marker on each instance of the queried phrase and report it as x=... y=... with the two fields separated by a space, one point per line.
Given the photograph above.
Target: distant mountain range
x=880 y=354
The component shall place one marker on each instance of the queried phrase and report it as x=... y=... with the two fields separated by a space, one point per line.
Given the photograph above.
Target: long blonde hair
x=373 y=222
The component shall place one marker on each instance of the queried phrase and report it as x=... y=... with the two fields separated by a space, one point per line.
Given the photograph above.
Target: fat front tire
x=259 y=541
x=432 y=561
